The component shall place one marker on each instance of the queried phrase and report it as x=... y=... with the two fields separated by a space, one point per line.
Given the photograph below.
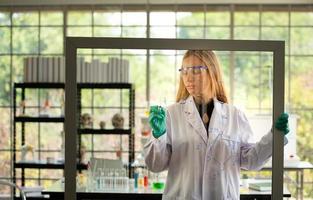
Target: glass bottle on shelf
x=46 y=107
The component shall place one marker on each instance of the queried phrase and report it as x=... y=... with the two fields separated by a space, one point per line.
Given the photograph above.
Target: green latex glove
x=282 y=123
x=157 y=120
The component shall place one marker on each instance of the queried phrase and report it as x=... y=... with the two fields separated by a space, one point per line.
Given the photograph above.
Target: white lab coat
x=201 y=166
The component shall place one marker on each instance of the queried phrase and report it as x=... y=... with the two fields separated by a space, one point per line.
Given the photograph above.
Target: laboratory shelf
x=104 y=85
x=39 y=119
x=105 y=131
x=44 y=165
x=40 y=85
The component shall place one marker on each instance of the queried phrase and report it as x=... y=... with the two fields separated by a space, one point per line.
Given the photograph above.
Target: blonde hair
x=210 y=60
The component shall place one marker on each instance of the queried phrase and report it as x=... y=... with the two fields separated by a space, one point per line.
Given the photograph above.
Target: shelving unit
x=129 y=131
x=22 y=120
x=40 y=164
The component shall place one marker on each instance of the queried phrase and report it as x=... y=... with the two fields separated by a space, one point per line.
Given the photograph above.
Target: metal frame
x=71 y=118
x=136 y=2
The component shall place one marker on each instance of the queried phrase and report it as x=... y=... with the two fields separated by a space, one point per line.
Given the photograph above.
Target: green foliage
x=246 y=18
x=187 y=32
x=5 y=34
x=46 y=33
x=217 y=33
x=25 y=18
x=190 y=18
x=107 y=18
x=274 y=19
x=220 y=18
x=48 y=18
x=163 y=76
x=301 y=43
x=302 y=18
x=5 y=80
x=79 y=18
x=25 y=40
x=5 y=18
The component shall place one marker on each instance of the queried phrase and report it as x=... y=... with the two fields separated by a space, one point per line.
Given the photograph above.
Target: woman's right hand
x=157 y=120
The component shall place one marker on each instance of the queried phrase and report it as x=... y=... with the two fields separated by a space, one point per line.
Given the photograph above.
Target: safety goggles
x=194 y=70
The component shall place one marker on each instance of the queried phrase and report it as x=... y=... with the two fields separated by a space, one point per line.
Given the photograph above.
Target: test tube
x=136 y=179
x=102 y=178
x=111 y=179
x=145 y=180
x=98 y=179
x=140 y=179
x=131 y=185
x=116 y=179
x=106 y=182
x=124 y=180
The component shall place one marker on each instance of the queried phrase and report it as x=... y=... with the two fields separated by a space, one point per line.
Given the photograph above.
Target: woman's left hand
x=281 y=123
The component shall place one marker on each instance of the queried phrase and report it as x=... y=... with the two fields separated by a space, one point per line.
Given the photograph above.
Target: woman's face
x=196 y=81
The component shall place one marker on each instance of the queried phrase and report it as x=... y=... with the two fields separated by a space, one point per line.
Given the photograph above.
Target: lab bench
x=56 y=192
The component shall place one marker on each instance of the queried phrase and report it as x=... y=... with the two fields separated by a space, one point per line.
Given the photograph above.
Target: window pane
x=25 y=40
x=5 y=164
x=190 y=32
x=79 y=18
x=273 y=33
x=138 y=76
x=31 y=173
x=301 y=72
x=111 y=143
x=301 y=41
x=265 y=81
x=5 y=39
x=218 y=18
x=134 y=18
x=246 y=18
x=17 y=67
x=51 y=138
x=162 y=18
x=5 y=135
x=31 y=138
x=51 y=40
x=5 y=146
x=164 y=77
x=224 y=59
x=190 y=18
x=51 y=18
x=246 y=33
x=218 y=33
x=106 y=52
x=107 y=31
x=134 y=32
x=25 y=18
x=5 y=74
x=249 y=75
x=50 y=174
x=275 y=18
x=301 y=18
x=162 y=32
x=79 y=31
x=4 y=19
x=107 y=18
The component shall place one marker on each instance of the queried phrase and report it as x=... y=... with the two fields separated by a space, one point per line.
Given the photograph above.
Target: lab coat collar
x=194 y=119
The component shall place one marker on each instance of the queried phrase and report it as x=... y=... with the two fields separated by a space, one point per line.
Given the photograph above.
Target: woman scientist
x=202 y=140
